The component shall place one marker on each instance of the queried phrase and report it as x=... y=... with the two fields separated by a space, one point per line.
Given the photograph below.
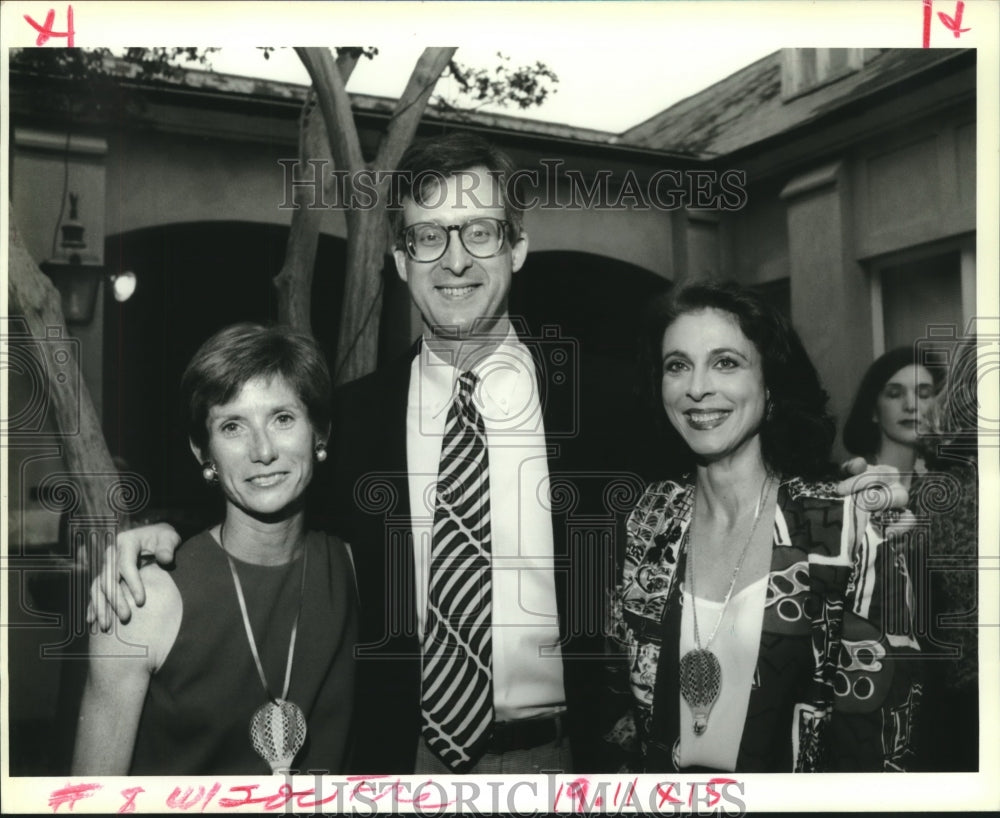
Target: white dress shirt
x=527 y=665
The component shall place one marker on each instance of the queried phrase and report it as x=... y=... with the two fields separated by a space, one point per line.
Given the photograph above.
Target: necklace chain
x=764 y=491
x=249 y=628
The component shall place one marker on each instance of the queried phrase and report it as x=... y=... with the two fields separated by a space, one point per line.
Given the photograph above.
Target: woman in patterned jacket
x=766 y=624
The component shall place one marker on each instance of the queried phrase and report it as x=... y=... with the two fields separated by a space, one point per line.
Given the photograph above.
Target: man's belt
x=522 y=734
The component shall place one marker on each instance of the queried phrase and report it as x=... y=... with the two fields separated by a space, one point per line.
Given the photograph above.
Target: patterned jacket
x=834 y=687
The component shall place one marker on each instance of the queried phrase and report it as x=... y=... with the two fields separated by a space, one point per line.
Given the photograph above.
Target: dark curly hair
x=797 y=433
x=861 y=433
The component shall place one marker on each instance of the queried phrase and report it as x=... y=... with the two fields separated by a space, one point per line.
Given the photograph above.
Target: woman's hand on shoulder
x=874 y=488
x=877 y=490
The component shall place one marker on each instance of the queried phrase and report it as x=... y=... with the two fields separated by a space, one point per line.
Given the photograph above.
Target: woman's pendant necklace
x=278 y=731
x=701 y=681
x=700 y=671
x=278 y=727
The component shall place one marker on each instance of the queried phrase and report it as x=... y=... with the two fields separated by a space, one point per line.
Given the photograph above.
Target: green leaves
x=524 y=86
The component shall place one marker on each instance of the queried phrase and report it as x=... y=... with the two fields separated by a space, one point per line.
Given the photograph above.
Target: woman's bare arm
x=122 y=661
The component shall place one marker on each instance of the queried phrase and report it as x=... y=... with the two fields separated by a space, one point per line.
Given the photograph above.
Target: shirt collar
x=506 y=379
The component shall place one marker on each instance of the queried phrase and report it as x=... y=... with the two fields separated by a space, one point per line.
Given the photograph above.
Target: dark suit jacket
x=370 y=509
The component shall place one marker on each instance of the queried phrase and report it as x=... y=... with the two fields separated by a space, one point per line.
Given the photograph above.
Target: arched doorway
x=595 y=299
x=599 y=303
x=193 y=279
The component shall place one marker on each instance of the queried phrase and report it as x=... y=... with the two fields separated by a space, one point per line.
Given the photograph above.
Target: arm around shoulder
x=122 y=661
x=121 y=565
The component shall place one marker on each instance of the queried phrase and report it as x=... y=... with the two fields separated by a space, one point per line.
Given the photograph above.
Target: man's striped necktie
x=457 y=673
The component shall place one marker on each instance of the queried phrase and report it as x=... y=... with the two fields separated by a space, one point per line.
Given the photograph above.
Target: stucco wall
x=157 y=178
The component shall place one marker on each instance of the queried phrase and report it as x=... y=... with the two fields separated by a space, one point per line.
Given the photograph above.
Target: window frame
x=965 y=246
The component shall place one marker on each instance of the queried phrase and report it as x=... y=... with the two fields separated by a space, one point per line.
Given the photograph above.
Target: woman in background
x=889 y=412
x=241 y=660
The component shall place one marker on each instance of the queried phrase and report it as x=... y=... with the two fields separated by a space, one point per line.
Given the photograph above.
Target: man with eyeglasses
x=465 y=672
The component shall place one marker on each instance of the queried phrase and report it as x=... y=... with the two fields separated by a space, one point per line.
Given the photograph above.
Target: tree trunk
x=85 y=453
x=357 y=342
x=294 y=282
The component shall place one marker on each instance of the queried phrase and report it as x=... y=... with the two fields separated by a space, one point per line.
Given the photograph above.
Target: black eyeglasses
x=481 y=238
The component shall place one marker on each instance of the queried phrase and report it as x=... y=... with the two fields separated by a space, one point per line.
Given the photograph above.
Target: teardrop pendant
x=700 y=683
x=278 y=731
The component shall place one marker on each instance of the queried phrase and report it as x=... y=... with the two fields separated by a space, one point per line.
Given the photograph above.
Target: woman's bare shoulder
x=152 y=627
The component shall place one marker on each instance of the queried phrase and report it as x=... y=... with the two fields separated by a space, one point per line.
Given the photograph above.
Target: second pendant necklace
x=278 y=727
x=700 y=671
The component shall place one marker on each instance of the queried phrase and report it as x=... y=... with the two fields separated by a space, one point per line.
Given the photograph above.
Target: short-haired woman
x=241 y=659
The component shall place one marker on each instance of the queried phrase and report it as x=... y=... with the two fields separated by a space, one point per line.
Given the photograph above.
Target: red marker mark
x=422 y=802
x=631 y=792
x=273 y=801
x=190 y=797
x=954 y=24
x=212 y=793
x=666 y=796
x=714 y=796
x=311 y=805
x=129 y=805
x=280 y=799
x=577 y=791
x=70 y=795
x=45 y=31
x=248 y=796
x=363 y=786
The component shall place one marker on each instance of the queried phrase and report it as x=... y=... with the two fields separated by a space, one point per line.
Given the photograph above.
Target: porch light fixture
x=74 y=270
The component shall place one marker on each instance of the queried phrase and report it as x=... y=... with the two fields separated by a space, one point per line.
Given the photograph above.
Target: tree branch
x=347 y=59
x=410 y=107
x=336 y=107
x=294 y=282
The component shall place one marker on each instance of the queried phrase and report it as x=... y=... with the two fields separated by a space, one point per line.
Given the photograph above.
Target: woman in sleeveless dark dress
x=241 y=659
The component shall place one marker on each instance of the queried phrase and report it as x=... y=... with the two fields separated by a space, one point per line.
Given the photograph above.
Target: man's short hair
x=429 y=160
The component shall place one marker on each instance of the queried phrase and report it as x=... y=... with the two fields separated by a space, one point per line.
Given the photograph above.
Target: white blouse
x=736 y=645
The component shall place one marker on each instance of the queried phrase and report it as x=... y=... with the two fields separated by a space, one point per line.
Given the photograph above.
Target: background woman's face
x=262 y=445
x=902 y=405
x=713 y=383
